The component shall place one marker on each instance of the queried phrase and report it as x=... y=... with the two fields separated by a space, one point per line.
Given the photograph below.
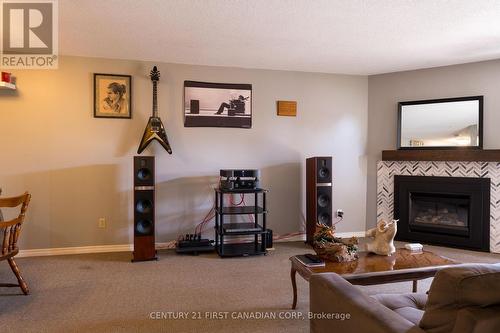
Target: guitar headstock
x=155 y=74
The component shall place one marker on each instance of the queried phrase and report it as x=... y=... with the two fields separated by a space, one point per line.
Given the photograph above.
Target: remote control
x=314 y=258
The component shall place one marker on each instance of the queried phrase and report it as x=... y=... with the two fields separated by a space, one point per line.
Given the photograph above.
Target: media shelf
x=243 y=190
x=241 y=249
x=239 y=210
x=240 y=227
x=226 y=244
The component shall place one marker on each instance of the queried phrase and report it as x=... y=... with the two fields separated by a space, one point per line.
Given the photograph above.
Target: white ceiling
x=331 y=36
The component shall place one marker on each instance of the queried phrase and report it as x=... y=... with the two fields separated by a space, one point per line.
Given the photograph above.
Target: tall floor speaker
x=144 y=208
x=318 y=194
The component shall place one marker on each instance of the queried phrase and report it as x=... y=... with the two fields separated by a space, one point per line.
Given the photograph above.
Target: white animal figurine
x=383 y=242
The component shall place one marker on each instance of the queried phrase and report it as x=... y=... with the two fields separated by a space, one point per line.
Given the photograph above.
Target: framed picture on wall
x=112 y=96
x=217 y=104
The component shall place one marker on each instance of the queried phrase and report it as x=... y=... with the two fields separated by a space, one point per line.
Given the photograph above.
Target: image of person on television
x=236 y=105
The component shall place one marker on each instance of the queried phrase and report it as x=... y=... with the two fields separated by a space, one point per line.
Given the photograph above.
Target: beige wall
x=386 y=90
x=79 y=168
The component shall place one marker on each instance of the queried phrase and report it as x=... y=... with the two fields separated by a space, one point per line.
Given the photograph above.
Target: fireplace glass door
x=439 y=213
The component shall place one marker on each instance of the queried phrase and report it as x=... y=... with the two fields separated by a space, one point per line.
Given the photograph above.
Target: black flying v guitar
x=154 y=129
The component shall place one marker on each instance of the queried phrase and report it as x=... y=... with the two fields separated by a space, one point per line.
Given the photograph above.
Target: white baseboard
x=358 y=234
x=302 y=237
x=297 y=238
x=129 y=247
x=75 y=250
x=85 y=249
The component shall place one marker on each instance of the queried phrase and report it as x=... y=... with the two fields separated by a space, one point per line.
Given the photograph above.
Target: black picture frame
x=203 y=111
x=480 y=99
x=114 y=110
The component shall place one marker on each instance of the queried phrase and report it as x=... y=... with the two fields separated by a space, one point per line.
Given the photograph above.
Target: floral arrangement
x=332 y=248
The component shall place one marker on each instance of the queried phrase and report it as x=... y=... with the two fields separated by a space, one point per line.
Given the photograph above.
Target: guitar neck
x=155 y=100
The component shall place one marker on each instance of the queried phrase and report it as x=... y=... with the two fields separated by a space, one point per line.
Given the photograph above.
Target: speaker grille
x=324 y=218
x=144 y=174
x=144 y=171
x=144 y=227
x=144 y=206
x=323 y=200
x=323 y=173
x=144 y=212
x=323 y=169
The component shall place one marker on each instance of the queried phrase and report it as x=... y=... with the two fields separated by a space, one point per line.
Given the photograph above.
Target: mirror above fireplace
x=449 y=123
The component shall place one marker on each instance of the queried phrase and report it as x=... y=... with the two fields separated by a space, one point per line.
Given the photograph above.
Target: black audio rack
x=225 y=244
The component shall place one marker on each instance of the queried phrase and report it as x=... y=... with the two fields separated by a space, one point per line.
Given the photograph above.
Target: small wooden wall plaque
x=287 y=108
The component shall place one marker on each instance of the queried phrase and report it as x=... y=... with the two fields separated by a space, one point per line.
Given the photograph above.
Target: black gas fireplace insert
x=451 y=211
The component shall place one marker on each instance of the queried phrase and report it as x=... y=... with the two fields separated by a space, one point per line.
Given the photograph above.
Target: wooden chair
x=9 y=232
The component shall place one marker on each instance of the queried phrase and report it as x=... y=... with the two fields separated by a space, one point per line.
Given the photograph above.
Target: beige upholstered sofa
x=464 y=298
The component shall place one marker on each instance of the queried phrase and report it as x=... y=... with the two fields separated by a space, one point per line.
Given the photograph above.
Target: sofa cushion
x=412 y=314
x=408 y=306
x=478 y=320
x=455 y=288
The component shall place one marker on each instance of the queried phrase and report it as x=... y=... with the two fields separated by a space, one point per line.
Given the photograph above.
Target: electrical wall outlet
x=101 y=223
x=340 y=213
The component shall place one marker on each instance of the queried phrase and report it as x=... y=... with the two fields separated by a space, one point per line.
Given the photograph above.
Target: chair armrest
x=330 y=293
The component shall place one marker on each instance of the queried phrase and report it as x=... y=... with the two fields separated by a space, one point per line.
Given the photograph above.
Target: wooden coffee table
x=404 y=265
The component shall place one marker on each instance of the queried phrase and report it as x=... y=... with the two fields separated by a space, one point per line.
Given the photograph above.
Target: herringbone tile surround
x=386 y=170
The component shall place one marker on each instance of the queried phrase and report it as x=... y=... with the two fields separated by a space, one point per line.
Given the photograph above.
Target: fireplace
x=451 y=211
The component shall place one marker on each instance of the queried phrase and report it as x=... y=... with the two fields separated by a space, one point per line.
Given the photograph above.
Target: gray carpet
x=107 y=293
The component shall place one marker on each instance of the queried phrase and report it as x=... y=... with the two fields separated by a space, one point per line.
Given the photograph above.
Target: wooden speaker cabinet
x=144 y=208
x=318 y=194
